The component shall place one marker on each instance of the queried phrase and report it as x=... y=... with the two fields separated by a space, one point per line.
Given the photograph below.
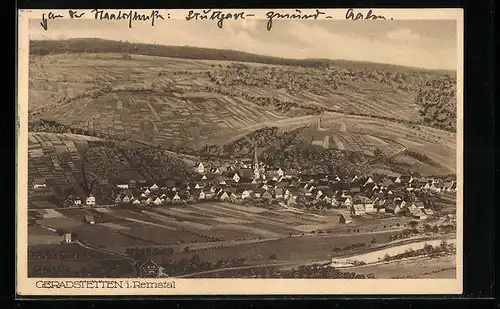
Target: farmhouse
x=90 y=201
x=278 y=193
x=149 y=269
x=73 y=200
x=122 y=185
x=345 y=218
x=200 y=168
x=224 y=196
x=39 y=183
x=358 y=209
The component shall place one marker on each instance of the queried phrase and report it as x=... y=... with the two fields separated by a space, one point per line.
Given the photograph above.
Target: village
x=256 y=184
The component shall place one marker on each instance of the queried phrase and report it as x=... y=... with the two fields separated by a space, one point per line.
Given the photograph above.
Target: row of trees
x=195 y=264
x=428 y=250
x=315 y=271
x=97 y=270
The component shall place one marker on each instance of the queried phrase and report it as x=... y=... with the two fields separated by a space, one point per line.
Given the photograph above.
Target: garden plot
x=251 y=230
x=171 y=221
x=50 y=213
x=250 y=209
x=114 y=226
x=60 y=223
x=231 y=220
x=103 y=237
x=160 y=236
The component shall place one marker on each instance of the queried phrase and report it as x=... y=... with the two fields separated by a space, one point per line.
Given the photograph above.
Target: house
x=90 y=201
x=369 y=207
x=280 y=172
x=334 y=202
x=149 y=269
x=200 y=168
x=39 y=183
x=132 y=183
x=246 y=194
x=176 y=198
x=136 y=202
x=198 y=194
x=428 y=212
x=418 y=204
x=345 y=218
x=291 y=201
x=368 y=181
x=126 y=199
x=154 y=187
x=357 y=209
x=236 y=177
x=278 y=193
x=418 y=214
x=157 y=201
x=118 y=199
x=122 y=185
x=390 y=207
x=267 y=195
x=223 y=196
x=348 y=202
x=246 y=175
x=73 y=200
x=67 y=238
x=209 y=195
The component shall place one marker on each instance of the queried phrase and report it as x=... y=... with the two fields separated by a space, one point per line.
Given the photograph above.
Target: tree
x=413 y=224
x=378 y=154
x=272 y=256
x=186 y=249
x=373 y=241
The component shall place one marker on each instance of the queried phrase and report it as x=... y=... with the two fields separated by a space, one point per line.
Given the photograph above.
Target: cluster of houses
x=359 y=195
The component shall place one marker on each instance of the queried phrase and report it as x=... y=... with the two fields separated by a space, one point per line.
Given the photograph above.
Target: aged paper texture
x=213 y=152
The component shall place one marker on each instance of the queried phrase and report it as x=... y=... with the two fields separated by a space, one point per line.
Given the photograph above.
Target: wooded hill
x=94 y=45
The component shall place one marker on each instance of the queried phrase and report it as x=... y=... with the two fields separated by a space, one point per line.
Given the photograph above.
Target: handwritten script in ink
x=98 y=14
x=130 y=16
x=271 y=15
x=220 y=16
x=352 y=15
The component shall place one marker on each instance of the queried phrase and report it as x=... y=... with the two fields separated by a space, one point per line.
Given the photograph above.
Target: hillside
x=82 y=162
x=309 y=150
x=95 y=45
x=185 y=102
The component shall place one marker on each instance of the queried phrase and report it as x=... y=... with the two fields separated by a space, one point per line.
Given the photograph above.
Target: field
x=287 y=250
x=437 y=268
x=141 y=105
x=74 y=260
x=181 y=102
x=206 y=224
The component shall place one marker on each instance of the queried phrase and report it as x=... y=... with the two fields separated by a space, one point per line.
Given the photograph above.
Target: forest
x=94 y=45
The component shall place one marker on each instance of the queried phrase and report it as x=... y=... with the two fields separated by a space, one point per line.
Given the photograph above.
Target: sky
x=430 y=44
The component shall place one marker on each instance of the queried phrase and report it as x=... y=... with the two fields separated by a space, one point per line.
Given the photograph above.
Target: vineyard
x=182 y=103
x=61 y=159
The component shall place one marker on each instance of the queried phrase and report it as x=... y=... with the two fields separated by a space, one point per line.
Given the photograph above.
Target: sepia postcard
x=239 y=152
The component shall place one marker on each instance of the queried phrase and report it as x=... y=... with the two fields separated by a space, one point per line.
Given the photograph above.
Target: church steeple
x=256 y=171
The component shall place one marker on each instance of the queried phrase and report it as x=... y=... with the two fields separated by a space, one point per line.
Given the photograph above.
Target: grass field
x=315 y=248
x=437 y=268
